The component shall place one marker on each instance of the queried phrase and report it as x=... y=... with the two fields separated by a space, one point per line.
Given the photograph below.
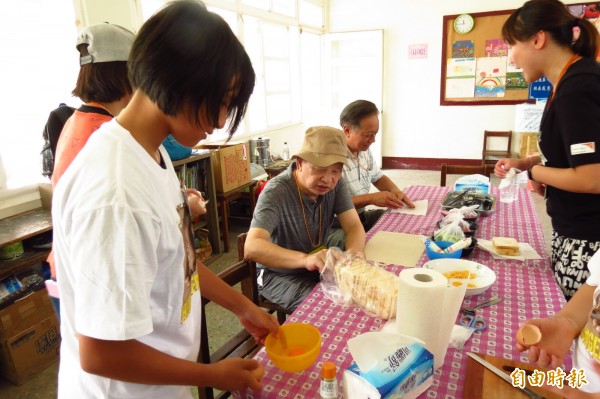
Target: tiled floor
x=220 y=323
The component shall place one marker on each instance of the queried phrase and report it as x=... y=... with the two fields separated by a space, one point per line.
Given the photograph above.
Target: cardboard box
x=24 y=313
x=29 y=337
x=231 y=164
x=31 y=351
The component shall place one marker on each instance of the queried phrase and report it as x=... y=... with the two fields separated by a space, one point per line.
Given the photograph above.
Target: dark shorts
x=287 y=290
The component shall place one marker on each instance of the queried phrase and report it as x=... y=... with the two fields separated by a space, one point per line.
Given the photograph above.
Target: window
x=40 y=67
x=312 y=86
x=311 y=14
x=283 y=7
x=286 y=61
x=272 y=48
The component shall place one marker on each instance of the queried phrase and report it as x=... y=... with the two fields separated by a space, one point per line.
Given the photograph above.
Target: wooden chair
x=280 y=311
x=224 y=199
x=495 y=153
x=486 y=170
x=241 y=344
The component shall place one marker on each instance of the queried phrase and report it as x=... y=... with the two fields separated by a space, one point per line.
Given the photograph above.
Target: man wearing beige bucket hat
x=293 y=217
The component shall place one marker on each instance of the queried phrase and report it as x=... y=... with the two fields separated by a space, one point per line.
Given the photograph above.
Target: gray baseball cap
x=106 y=42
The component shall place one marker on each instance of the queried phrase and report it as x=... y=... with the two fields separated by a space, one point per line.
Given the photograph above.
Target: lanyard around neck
x=304 y=215
x=562 y=73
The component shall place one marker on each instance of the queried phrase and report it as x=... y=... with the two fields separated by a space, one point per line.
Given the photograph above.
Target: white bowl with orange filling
x=477 y=276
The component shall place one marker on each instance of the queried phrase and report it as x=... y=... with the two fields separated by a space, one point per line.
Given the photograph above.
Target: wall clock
x=464 y=23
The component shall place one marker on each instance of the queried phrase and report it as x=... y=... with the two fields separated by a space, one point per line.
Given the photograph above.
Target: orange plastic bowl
x=303 y=347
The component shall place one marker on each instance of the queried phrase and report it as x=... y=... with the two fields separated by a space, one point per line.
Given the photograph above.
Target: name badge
x=583 y=148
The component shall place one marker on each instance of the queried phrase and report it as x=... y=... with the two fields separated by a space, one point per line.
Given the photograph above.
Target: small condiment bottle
x=329 y=386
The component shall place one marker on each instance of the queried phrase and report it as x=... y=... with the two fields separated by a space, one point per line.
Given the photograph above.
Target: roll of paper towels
x=427 y=309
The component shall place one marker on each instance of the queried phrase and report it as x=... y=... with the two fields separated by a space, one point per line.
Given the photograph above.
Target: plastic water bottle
x=286 y=151
x=510 y=193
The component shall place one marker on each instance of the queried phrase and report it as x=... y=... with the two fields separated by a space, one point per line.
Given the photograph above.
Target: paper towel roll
x=427 y=309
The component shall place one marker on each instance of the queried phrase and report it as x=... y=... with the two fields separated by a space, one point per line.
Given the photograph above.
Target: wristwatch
x=529 y=174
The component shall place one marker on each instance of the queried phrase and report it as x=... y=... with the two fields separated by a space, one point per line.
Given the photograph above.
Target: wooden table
x=528 y=289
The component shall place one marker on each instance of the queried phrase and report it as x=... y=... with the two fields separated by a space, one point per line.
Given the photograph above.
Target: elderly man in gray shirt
x=293 y=217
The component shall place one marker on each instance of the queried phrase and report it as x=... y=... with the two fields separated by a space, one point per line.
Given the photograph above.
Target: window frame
x=295 y=83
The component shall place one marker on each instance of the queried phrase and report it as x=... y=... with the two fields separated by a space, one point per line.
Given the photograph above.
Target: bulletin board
x=486 y=30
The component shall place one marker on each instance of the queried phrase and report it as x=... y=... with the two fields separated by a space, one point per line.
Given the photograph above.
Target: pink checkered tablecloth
x=528 y=289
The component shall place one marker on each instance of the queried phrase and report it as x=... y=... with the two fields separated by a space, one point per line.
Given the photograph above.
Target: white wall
x=415 y=124
x=119 y=12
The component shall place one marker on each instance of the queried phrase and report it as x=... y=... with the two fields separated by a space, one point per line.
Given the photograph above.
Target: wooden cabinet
x=20 y=227
x=196 y=172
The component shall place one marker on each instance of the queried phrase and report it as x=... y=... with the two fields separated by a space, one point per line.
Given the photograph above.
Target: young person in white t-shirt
x=129 y=281
x=578 y=321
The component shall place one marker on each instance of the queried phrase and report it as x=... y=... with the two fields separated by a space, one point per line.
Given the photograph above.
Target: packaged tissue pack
x=387 y=366
x=473 y=183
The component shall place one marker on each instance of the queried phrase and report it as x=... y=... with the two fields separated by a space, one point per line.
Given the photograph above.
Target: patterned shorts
x=570 y=258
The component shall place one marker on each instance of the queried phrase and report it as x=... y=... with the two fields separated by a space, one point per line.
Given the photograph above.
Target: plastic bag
x=456 y=217
x=452 y=232
x=460 y=335
x=348 y=279
x=469 y=212
x=329 y=283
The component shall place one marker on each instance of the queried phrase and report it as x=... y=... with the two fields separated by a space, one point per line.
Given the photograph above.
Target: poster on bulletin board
x=475 y=63
x=476 y=67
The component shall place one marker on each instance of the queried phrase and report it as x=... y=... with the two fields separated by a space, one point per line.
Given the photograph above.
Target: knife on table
x=503 y=375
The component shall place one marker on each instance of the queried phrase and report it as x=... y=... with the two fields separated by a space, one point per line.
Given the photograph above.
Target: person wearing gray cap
x=104 y=88
x=102 y=85
x=293 y=216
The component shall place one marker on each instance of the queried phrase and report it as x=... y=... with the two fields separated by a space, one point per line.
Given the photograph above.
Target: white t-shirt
x=587 y=351
x=120 y=241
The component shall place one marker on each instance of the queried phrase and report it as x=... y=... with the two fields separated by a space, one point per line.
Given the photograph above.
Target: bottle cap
x=328 y=370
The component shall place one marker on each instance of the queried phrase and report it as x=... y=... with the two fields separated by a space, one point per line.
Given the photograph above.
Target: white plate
x=485 y=276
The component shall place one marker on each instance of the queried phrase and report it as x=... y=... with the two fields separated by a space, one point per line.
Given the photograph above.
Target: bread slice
x=506 y=246
x=371 y=287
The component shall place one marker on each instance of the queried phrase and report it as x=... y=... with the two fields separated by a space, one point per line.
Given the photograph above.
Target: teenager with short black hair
x=127 y=272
